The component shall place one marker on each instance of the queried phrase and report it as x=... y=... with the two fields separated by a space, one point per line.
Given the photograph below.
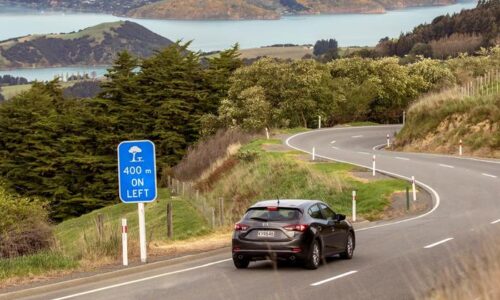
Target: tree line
x=64 y=149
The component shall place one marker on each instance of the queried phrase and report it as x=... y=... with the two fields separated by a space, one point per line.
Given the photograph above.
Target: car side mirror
x=340 y=217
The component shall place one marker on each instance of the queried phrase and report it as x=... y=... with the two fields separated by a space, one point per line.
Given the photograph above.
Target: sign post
x=137 y=180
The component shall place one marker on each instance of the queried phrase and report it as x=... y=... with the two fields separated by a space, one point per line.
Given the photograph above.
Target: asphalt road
x=393 y=260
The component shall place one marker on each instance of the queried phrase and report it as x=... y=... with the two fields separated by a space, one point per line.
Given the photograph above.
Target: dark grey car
x=295 y=230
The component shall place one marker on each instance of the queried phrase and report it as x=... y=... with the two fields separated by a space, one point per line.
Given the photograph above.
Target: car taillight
x=296 y=227
x=241 y=227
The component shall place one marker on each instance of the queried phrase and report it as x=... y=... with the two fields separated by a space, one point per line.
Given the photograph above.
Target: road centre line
x=489 y=175
x=333 y=278
x=446 y=166
x=438 y=243
x=365 y=153
x=333 y=142
x=357 y=136
x=141 y=280
x=497 y=221
x=401 y=158
x=336 y=148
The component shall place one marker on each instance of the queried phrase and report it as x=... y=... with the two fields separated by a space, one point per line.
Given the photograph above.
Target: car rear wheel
x=313 y=260
x=349 y=247
x=241 y=263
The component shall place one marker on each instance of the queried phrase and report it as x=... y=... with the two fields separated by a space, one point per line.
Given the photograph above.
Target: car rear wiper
x=259 y=219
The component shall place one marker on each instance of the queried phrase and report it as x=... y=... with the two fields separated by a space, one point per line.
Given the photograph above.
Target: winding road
x=399 y=259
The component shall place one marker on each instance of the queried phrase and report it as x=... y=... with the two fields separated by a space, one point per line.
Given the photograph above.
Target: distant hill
x=268 y=9
x=464 y=32
x=96 y=45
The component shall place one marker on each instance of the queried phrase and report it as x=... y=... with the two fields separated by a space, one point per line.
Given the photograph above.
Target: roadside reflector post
x=314 y=154
x=125 y=242
x=267 y=133
x=319 y=122
x=414 y=188
x=142 y=232
x=388 y=141
x=374 y=167
x=354 y=206
x=407 y=198
x=460 y=148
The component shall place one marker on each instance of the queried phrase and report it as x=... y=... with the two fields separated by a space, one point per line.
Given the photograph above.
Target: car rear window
x=277 y=215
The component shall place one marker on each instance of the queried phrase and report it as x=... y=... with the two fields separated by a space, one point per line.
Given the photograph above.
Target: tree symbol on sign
x=134 y=150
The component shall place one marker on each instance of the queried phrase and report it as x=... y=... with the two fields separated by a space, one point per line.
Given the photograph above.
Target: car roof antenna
x=278 y=201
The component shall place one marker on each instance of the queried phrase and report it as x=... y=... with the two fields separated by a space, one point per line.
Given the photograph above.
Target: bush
x=204 y=154
x=24 y=227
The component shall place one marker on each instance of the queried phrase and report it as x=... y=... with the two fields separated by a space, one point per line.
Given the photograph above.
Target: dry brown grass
x=295 y=53
x=475 y=278
x=209 y=154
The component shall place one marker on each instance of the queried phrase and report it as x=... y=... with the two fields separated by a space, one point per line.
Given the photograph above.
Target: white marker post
x=388 y=141
x=314 y=154
x=354 y=206
x=267 y=133
x=142 y=233
x=374 y=169
x=125 y=242
x=460 y=148
x=414 y=188
x=319 y=122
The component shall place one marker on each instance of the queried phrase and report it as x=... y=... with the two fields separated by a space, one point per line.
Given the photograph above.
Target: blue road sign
x=137 y=171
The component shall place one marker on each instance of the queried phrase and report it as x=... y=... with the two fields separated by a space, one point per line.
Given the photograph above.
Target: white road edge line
x=438 y=243
x=489 y=175
x=446 y=166
x=365 y=153
x=141 y=280
x=333 y=278
x=401 y=158
x=436 y=195
x=497 y=221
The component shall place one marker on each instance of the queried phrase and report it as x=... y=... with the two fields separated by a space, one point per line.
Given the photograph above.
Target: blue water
x=349 y=29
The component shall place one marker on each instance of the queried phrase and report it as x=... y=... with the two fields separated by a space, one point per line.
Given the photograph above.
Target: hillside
x=449 y=35
x=267 y=9
x=438 y=122
x=96 y=45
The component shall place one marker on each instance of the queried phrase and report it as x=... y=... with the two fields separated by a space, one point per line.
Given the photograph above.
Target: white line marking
x=401 y=158
x=336 y=148
x=438 y=243
x=365 y=153
x=436 y=195
x=333 y=278
x=333 y=142
x=497 y=221
x=489 y=175
x=446 y=166
x=357 y=136
x=141 y=280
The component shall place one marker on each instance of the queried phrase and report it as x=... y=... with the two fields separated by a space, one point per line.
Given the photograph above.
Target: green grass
x=272 y=175
x=13 y=90
x=187 y=222
x=37 y=264
x=361 y=123
x=96 y=32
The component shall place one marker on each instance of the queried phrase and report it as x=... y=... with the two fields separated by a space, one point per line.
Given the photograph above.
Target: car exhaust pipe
x=240 y=256
x=292 y=258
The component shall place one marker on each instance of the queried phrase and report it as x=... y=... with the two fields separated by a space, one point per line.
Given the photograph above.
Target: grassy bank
x=438 y=122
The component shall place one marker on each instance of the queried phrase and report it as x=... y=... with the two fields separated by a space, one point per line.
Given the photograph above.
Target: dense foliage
x=329 y=48
x=447 y=35
x=12 y=80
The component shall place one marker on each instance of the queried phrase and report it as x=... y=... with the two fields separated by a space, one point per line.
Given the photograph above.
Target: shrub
x=204 y=154
x=24 y=227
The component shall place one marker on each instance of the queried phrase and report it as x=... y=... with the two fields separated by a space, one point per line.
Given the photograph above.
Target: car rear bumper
x=295 y=249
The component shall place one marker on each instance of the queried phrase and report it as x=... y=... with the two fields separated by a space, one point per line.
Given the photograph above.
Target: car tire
x=241 y=263
x=349 y=247
x=314 y=259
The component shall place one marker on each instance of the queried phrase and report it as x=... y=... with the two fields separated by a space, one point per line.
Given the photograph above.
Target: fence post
x=213 y=217
x=267 y=133
x=170 y=223
x=125 y=242
x=221 y=211
x=407 y=198
x=100 y=226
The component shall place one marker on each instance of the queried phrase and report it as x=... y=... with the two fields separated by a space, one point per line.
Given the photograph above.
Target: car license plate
x=265 y=234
